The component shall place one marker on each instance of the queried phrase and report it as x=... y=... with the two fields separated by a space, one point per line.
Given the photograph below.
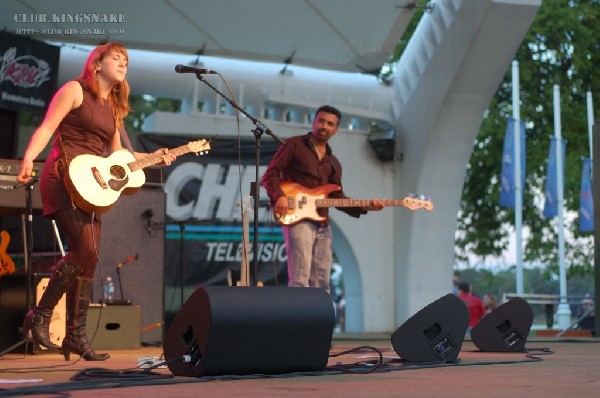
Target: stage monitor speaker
x=435 y=333
x=250 y=330
x=504 y=329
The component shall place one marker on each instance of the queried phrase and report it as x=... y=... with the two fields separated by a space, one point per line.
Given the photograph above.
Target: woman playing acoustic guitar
x=84 y=117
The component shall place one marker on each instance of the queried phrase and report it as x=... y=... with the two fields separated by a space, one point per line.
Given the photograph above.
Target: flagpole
x=563 y=313
x=590 y=120
x=518 y=184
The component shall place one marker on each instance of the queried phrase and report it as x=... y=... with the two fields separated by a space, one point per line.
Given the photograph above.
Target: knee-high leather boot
x=78 y=303
x=38 y=318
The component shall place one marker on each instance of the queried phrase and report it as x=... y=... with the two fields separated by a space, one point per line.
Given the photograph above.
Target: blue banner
x=586 y=202
x=507 y=188
x=551 y=191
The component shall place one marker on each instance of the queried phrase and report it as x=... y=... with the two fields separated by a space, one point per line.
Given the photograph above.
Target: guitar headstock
x=200 y=147
x=414 y=202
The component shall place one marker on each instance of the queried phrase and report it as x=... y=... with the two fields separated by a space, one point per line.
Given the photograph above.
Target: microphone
x=149 y=213
x=193 y=69
x=128 y=260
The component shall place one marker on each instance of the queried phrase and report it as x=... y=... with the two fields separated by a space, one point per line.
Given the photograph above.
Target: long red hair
x=119 y=95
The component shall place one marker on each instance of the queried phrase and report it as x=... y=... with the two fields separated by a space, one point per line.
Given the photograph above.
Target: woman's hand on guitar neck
x=167 y=156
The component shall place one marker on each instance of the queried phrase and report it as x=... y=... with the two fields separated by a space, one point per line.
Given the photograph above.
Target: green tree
x=561 y=49
x=143 y=106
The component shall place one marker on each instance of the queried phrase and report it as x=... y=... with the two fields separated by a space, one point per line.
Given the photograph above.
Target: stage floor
x=554 y=367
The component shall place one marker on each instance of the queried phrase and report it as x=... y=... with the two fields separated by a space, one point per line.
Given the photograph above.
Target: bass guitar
x=95 y=183
x=303 y=203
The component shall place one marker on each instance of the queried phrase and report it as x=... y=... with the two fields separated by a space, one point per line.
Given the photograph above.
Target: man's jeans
x=309 y=252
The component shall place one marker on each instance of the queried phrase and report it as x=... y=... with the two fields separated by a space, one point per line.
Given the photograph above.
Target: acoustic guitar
x=96 y=182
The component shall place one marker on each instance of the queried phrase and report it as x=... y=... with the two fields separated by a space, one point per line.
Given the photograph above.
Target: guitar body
x=302 y=202
x=7 y=265
x=98 y=182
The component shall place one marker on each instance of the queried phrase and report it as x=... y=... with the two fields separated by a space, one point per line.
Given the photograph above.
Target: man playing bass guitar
x=309 y=161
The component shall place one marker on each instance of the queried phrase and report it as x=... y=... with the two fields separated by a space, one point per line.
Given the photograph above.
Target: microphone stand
x=182 y=237
x=29 y=239
x=119 y=266
x=258 y=131
x=119 y=278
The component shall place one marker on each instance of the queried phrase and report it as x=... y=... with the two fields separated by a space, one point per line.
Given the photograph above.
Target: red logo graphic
x=26 y=71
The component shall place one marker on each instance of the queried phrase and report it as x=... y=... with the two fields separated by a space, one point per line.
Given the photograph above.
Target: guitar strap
x=61 y=166
x=125 y=138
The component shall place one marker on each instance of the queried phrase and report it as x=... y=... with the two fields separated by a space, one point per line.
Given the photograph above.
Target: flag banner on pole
x=507 y=188
x=586 y=202
x=551 y=192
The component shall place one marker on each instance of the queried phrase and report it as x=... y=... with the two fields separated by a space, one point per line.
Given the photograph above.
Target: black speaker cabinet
x=504 y=329
x=251 y=330
x=435 y=333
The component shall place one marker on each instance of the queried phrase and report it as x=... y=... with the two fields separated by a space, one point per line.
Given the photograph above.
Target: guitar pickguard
x=117 y=185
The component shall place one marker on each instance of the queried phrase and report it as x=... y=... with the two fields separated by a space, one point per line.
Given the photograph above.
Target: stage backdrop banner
x=28 y=73
x=203 y=217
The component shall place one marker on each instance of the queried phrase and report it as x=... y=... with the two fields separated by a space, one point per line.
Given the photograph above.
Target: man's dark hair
x=330 y=109
x=464 y=287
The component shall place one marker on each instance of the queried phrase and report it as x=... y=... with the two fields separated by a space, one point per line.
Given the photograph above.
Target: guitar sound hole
x=118 y=172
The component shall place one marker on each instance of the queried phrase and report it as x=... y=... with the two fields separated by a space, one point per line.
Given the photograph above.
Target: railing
x=582 y=308
x=550 y=298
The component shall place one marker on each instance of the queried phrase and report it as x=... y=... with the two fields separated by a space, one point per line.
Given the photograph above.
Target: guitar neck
x=156 y=159
x=340 y=202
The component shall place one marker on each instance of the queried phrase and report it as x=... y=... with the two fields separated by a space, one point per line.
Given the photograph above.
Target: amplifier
x=13 y=201
x=115 y=327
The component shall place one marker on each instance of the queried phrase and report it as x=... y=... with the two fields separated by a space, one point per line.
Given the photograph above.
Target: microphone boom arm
x=255 y=187
x=259 y=125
